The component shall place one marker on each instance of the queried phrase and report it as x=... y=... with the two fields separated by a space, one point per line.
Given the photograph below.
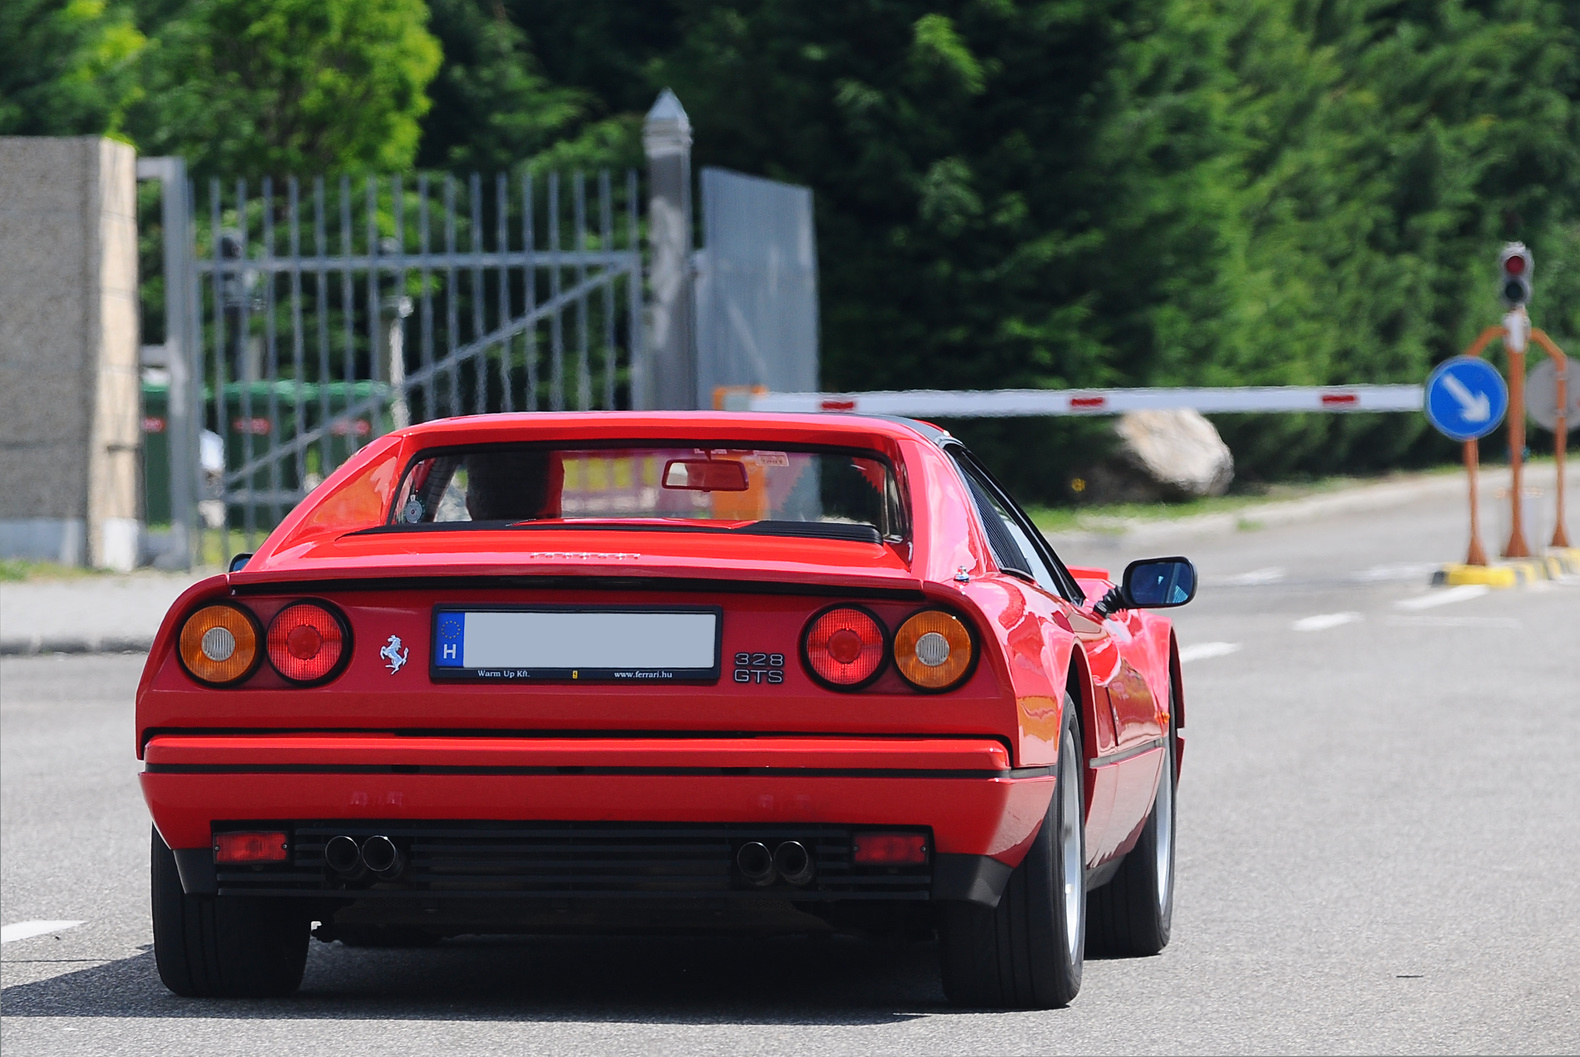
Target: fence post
x=668 y=377
x=180 y=354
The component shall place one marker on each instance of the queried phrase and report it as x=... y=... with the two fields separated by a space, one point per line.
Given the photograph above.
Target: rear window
x=831 y=493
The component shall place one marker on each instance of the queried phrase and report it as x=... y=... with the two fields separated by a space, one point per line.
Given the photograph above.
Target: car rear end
x=569 y=725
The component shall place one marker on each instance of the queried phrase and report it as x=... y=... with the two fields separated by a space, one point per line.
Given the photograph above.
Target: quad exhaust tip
x=343 y=856
x=381 y=856
x=378 y=854
x=789 y=861
x=793 y=862
x=756 y=863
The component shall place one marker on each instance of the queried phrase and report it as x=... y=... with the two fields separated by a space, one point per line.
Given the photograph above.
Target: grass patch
x=16 y=570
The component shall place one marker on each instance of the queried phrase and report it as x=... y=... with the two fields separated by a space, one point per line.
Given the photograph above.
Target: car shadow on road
x=766 y=980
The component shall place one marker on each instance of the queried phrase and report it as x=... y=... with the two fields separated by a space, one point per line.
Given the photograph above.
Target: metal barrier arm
x=1009 y=403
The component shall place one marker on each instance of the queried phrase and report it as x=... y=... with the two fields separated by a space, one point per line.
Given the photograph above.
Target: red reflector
x=838 y=405
x=249 y=847
x=891 y=849
x=1088 y=401
x=305 y=642
x=1332 y=399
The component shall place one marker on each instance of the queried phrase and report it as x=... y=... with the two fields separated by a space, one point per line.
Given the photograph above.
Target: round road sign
x=1466 y=398
x=1541 y=395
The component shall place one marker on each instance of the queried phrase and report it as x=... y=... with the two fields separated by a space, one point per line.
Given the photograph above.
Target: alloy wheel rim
x=1070 y=847
x=1163 y=811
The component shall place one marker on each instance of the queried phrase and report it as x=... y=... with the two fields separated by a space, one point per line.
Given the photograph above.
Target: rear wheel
x=223 y=946
x=1027 y=952
x=1132 y=915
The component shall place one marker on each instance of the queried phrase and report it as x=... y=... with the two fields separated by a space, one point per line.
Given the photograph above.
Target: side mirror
x=239 y=562
x=1151 y=583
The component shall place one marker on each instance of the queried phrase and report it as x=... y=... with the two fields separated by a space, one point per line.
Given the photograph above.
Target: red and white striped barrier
x=1008 y=403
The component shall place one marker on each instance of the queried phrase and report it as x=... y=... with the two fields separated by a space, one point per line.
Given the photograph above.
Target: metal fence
x=325 y=313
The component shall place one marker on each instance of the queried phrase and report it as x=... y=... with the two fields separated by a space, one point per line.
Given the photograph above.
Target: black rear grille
x=573 y=860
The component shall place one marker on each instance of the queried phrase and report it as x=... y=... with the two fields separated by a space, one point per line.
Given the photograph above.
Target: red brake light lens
x=844 y=647
x=249 y=847
x=890 y=849
x=306 y=642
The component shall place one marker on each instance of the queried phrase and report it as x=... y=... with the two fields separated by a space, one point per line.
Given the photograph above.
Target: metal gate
x=322 y=314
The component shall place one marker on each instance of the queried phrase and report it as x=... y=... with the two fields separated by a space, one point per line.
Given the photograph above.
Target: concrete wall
x=69 y=384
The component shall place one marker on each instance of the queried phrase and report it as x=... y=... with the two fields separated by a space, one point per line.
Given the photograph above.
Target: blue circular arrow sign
x=1466 y=398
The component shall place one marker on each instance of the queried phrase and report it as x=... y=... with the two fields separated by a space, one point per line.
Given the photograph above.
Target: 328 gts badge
x=759 y=668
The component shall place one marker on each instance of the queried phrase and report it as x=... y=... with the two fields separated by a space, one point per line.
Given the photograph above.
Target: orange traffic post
x=1516 y=547
x=1561 y=430
x=1478 y=553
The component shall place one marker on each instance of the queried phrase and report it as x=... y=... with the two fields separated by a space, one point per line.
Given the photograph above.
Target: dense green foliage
x=1008 y=192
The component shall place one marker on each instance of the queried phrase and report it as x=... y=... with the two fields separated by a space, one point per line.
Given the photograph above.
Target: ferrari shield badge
x=394 y=654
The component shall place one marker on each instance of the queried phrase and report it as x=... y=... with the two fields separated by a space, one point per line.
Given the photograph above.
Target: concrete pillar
x=670 y=383
x=70 y=394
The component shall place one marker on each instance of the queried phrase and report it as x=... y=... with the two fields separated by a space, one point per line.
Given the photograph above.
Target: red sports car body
x=521 y=672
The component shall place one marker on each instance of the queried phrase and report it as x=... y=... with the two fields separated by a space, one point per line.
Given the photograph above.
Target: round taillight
x=306 y=642
x=933 y=650
x=219 y=645
x=844 y=647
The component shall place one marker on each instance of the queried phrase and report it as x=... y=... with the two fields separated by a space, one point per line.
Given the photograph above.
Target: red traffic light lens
x=1514 y=264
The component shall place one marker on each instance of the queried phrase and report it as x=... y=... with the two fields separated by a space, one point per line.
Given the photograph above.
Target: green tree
x=493 y=107
x=255 y=87
x=67 y=68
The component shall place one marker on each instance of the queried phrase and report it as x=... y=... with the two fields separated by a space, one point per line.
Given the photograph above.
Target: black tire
x=223 y=946
x=1132 y=915
x=1020 y=954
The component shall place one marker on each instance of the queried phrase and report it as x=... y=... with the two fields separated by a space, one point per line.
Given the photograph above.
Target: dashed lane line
x=1443 y=596
x=27 y=929
x=1324 y=621
x=1201 y=651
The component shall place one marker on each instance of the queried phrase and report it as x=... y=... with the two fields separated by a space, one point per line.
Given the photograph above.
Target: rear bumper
x=981 y=813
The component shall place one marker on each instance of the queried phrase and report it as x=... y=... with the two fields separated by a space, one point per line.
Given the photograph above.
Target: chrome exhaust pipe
x=342 y=855
x=756 y=863
x=381 y=856
x=794 y=862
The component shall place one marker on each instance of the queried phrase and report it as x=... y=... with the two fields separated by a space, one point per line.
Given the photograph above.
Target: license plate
x=576 y=645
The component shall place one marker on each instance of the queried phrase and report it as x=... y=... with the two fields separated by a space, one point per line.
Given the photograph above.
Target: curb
x=1363 y=499
x=39 y=646
x=1554 y=565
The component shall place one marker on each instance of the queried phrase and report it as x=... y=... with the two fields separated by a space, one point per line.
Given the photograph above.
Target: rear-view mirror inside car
x=1158 y=583
x=705 y=475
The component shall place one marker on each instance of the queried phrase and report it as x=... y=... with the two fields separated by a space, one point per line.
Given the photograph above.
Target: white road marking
x=1395 y=571
x=25 y=929
x=1202 y=650
x=1454 y=622
x=1270 y=575
x=1444 y=597
x=1324 y=621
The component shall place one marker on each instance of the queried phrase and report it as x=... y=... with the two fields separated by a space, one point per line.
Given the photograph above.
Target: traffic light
x=1514 y=274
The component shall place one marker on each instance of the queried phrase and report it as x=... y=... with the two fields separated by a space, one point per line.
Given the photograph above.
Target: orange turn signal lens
x=933 y=650
x=219 y=645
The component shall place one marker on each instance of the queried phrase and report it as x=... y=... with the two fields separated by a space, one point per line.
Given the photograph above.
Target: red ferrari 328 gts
x=526 y=673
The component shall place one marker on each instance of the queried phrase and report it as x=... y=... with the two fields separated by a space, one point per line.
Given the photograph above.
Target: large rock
x=1162 y=456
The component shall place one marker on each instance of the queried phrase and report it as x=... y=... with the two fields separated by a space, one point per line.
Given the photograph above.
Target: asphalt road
x=1379 y=851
